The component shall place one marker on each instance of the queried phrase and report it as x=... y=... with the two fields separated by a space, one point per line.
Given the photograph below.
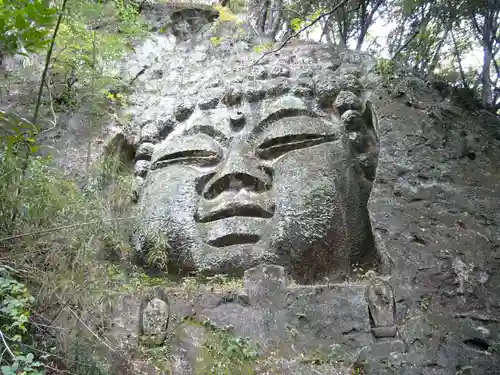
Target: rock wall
x=434 y=210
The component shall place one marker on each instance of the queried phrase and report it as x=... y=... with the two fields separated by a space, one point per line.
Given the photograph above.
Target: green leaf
x=8 y=370
x=21 y=23
x=296 y=24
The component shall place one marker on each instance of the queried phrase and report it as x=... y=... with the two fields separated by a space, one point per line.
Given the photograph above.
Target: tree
x=353 y=21
x=266 y=16
x=484 y=17
x=430 y=33
x=349 y=24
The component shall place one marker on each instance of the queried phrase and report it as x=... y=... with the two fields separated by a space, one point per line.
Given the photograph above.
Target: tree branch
x=90 y=330
x=366 y=22
x=435 y=57
x=6 y=345
x=55 y=229
x=475 y=24
x=294 y=35
x=326 y=28
x=417 y=31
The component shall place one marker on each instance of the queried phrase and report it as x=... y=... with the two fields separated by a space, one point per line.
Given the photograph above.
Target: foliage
x=15 y=307
x=115 y=98
x=18 y=146
x=298 y=23
x=237 y=6
x=435 y=37
x=85 y=361
x=225 y=14
x=263 y=47
x=24 y=24
x=25 y=365
x=216 y=41
x=227 y=28
x=74 y=229
x=157 y=255
x=336 y=354
x=358 y=371
x=385 y=67
x=428 y=37
x=159 y=356
x=93 y=36
x=224 y=353
x=74 y=257
x=219 y=283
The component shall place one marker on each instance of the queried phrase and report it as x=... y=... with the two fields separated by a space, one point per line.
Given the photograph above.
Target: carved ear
x=368 y=157
x=360 y=122
x=371 y=120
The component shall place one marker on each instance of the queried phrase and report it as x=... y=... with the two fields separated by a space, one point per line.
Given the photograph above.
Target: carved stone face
x=269 y=182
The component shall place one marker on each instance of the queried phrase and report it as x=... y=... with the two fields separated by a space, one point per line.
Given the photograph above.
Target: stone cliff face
x=434 y=210
x=428 y=234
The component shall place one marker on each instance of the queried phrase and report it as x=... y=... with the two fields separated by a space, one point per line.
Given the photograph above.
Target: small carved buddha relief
x=382 y=307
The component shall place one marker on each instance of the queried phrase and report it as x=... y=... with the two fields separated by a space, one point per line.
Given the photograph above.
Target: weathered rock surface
x=433 y=209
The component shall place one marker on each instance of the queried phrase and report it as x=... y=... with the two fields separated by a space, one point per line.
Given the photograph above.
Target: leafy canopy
x=25 y=24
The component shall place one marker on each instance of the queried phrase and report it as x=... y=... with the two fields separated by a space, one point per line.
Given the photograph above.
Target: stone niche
x=297 y=178
x=180 y=19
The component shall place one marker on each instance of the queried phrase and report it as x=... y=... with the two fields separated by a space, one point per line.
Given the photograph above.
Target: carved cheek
x=172 y=191
x=303 y=175
x=169 y=203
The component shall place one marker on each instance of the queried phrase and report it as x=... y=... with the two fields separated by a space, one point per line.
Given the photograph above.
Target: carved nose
x=236 y=174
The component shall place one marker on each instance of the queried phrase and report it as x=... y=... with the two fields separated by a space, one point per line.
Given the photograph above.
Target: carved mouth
x=234 y=239
x=236 y=209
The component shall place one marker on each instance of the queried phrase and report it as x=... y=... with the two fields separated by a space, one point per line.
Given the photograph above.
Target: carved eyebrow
x=209 y=130
x=279 y=115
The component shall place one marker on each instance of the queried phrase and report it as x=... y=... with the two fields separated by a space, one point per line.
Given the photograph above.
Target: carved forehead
x=216 y=118
x=254 y=112
x=285 y=102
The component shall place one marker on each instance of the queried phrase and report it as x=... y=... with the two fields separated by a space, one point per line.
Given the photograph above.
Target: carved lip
x=245 y=208
x=235 y=230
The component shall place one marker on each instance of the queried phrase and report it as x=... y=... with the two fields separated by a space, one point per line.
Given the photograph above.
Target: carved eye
x=197 y=157
x=275 y=147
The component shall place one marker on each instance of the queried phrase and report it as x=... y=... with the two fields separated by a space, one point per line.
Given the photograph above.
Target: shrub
x=15 y=306
x=56 y=236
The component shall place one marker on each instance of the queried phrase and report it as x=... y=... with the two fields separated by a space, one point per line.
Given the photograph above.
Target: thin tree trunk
x=276 y=20
x=266 y=16
x=326 y=30
x=92 y=93
x=329 y=33
x=47 y=60
x=366 y=21
x=435 y=57
x=417 y=31
x=487 y=37
x=341 y=23
x=459 y=61
x=486 y=93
